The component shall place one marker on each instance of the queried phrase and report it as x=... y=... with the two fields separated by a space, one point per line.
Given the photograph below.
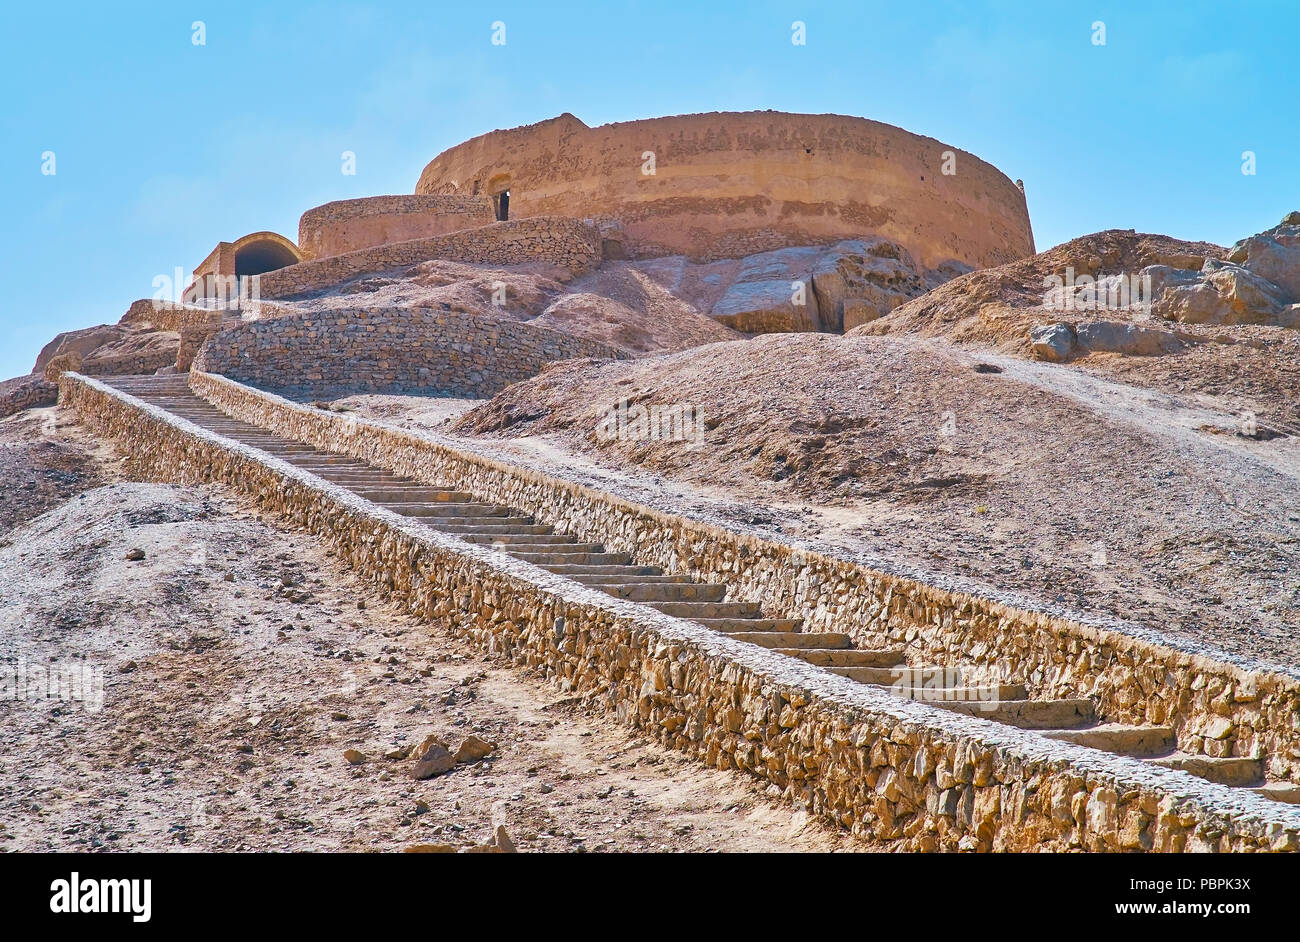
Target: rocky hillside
x=1196 y=319
x=1023 y=476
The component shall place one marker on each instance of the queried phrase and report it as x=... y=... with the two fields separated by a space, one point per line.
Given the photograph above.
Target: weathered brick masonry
x=1217 y=708
x=566 y=243
x=389 y=350
x=881 y=766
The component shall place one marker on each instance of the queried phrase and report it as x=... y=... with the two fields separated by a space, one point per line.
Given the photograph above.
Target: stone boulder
x=1058 y=342
x=80 y=342
x=1274 y=255
x=1225 y=293
x=1163 y=277
x=1129 y=339
x=1259 y=283
x=829 y=288
x=1052 y=342
x=61 y=363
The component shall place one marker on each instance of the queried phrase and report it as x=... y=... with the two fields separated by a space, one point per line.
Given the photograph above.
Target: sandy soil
x=237 y=664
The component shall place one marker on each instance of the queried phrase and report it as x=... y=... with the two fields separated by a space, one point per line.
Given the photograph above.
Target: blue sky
x=163 y=148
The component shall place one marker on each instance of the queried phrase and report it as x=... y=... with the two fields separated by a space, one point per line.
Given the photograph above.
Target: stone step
x=573 y=571
x=248 y=435
x=527 y=539
x=330 y=463
x=575 y=558
x=1139 y=741
x=708 y=610
x=979 y=693
x=351 y=471
x=783 y=626
x=910 y=676
x=1232 y=770
x=412 y=494
x=666 y=591
x=365 y=475
x=561 y=549
x=1030 y=714
x=850 y=657
x=600 y=581
x=486 y=526
x=448 y=511
x=1288 y=792
x=794 y=639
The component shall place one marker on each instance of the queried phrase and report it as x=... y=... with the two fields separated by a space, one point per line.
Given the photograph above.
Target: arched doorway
x=498 y=188
x=263 y=255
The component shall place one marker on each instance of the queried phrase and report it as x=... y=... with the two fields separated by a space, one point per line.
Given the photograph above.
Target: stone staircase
x=513 y=531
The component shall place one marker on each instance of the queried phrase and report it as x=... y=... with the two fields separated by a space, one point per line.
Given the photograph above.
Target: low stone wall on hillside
x=389 y=350
x=569 y=244
x=145 y=353
x=26 y=392
x=1216 y=708
x=883 y=767
x=176 y=317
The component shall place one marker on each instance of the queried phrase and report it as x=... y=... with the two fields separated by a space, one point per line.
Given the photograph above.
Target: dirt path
x=1203 y=425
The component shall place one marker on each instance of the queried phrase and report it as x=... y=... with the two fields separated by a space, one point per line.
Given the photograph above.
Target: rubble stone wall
x=26 y=392
x=389 y=350
x=885 y=768
x=1217 y=708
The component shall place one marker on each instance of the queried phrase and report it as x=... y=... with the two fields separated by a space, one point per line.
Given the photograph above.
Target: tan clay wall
x=880 y=766
x=733 y=184
x=348 y=225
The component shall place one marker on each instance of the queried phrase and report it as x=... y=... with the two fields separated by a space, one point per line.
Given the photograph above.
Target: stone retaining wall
x=26 y=392
x=566 y=243
x=880 y=766
x=165 y=316
x=389 y=350
x=145 y=353
x=1216 y=708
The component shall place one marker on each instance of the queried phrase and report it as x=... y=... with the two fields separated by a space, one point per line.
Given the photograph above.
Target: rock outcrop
x=825 y=288
x=1259 y=283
